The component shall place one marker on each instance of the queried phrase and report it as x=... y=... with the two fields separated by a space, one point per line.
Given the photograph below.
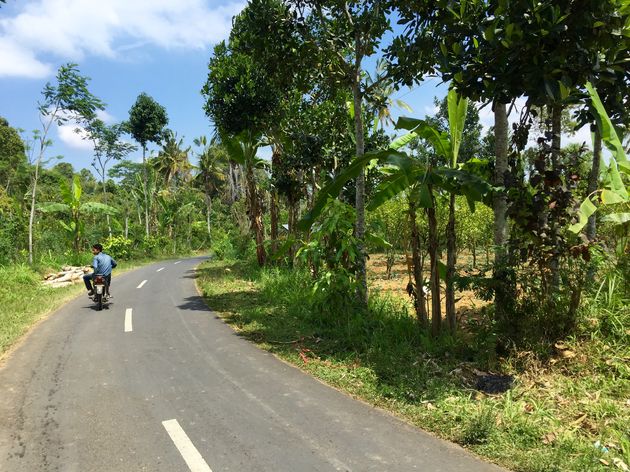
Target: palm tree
x=172 y=160
x=211 y=171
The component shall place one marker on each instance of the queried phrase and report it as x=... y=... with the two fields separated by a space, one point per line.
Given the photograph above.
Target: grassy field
x=567 y=412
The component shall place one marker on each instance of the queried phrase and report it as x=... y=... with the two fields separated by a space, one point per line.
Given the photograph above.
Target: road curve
x=157 y=383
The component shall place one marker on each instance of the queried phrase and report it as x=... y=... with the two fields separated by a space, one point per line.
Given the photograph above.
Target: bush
x=230 y=245
x=118 y=247
x=154 y=245
x=479 y=427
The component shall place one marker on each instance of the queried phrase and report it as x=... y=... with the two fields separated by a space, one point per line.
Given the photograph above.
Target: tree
x=72 y=205
x=497 y=51
x=13 y=159
x=211 y=172
x=242 y=149
x=172 y=160
x=66 y=101
x=107 y=147
x=422 y=178
x=147 y=120
x=240 y=100
x=343 y=34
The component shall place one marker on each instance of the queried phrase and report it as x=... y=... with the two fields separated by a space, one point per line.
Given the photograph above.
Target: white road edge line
x=128 y=325
x=142 y=283
x=177 y=262
x=186 y=448
x=161 y=268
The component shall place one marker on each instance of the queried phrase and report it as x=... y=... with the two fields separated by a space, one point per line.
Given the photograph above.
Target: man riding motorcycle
x=103 y=265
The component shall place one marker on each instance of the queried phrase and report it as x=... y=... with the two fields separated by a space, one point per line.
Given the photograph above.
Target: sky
x=126 y=47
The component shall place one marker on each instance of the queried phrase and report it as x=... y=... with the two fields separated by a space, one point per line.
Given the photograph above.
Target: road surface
x=157 y=382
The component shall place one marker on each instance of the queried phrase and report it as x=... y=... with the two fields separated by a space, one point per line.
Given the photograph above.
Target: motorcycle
x=101 y=291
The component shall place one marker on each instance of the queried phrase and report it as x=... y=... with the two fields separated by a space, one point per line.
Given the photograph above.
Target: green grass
x=549 y=420
x=24 y=301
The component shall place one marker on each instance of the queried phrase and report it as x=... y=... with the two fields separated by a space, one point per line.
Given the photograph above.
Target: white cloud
x=73 y=29
x=21 y=62
x=105 y=117
x=74 y=137
x=431 y=110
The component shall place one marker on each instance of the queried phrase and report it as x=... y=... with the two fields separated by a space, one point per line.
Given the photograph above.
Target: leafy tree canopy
x=147 y=119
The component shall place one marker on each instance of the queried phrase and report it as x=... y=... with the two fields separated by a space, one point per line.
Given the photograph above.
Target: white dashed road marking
x=142 y=283
x=186 y=448
x=177 y=262
x=128 y=325
x=161 y=268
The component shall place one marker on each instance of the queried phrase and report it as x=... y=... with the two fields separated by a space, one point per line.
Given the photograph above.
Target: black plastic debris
x=491 y=383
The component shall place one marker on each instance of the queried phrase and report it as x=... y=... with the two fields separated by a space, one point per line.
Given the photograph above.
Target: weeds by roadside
x=568 y=412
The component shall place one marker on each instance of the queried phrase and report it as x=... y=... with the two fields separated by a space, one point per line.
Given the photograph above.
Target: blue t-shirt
x=103 y=264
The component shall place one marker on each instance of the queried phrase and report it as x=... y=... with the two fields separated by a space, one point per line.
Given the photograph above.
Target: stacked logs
x=67 y=276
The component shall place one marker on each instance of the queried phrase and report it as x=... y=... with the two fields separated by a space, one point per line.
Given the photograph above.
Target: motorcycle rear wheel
x=99 y=301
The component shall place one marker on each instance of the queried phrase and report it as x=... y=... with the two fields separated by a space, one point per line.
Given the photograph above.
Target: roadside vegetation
x=567 y=408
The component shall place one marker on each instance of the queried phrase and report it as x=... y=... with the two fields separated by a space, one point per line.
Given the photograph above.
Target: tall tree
x=68 y=100
x=240 y=98
x=172 y=161
x=147 y=120
x=344 y=34
x=496 y=51
x=108 y=147
x=211 y=172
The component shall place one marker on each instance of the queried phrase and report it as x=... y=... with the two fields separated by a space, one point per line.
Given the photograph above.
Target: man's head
x=96 y=248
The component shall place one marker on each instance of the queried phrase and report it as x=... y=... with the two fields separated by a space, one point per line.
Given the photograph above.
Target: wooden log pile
x=67 y=276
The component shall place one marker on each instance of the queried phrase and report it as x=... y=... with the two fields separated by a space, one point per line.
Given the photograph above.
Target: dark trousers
x=87 y=279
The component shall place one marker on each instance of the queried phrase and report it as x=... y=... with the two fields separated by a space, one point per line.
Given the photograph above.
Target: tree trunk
x=126 y=227
x=362 y=292
x=31 y=219
x=208 y=212
x=293 y=217
x=474 y=255
x=556 y=134
x=311 y=200
x=499 y=206
x=593 y=183
x=436 y=308
x=419 y=300
x=451 y=260
x=146 y=190
x=273 y=203
x=556 y=143
x=255 y=215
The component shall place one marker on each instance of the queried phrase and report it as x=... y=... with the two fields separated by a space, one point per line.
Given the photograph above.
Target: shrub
x=118 y=247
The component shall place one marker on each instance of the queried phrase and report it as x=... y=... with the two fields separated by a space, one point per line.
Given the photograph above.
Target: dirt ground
x=397 y=284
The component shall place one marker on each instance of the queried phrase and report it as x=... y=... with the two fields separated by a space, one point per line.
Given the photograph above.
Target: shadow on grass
x=385 y=347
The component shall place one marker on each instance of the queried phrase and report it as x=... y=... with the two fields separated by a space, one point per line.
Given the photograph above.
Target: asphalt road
x=156 y=382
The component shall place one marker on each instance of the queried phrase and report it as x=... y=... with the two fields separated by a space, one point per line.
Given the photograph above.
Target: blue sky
x=126 y=47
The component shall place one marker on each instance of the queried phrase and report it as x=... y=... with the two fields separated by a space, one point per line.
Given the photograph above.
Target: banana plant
x=75 y=210
x=613 y=190
x=242 y=149
x=420 y=180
